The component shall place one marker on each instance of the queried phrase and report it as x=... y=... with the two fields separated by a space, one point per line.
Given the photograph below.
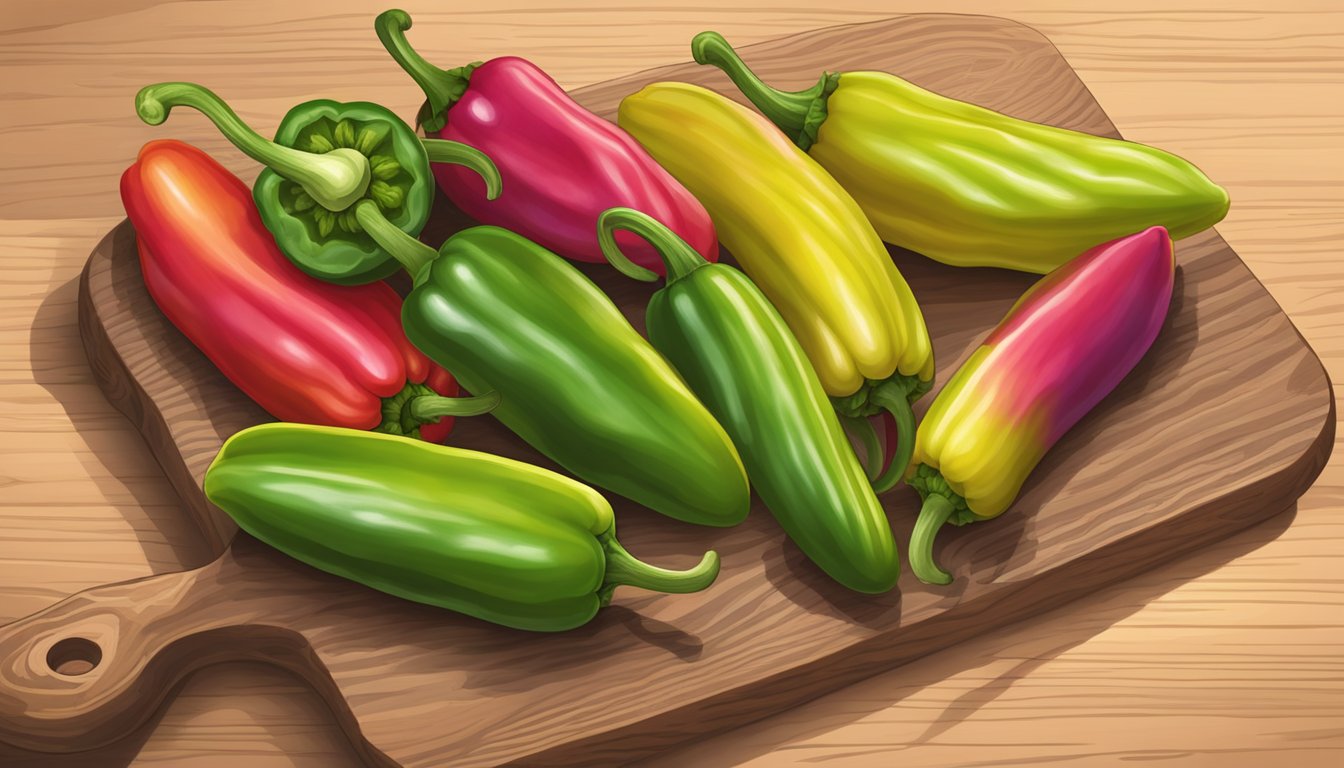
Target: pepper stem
x=334 y=179
x=935 y=512
x=623 y=569
x=678 y=256
x=872 y=451
x=442 y=87
x=787 y=109
x=457 y=153
x=423 y=409
x=414 y=255
x=891 y=397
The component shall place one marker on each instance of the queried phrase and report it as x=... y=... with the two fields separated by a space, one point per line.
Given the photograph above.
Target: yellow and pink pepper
x=1063 y=347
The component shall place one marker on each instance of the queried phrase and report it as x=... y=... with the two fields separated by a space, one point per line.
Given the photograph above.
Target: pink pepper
x=1061 y=349
x=563 y=165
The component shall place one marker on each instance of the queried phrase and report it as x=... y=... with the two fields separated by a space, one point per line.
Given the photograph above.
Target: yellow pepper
x=806 y=244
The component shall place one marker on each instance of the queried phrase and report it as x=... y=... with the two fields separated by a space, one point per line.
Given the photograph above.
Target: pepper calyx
x=417 y=404
x=860 y=405
x=928 y=481
x=817 y=112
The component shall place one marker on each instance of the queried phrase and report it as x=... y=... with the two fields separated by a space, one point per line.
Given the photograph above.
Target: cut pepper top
x=328 y=161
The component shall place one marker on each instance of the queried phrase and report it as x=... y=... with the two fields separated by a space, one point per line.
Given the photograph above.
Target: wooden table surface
x=1232 y=657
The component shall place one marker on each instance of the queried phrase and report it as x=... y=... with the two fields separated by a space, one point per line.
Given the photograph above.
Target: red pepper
x=303 y=349
x=562 y=165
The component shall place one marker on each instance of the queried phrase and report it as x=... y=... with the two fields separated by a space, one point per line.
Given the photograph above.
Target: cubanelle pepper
x=968 y=186
x=564 y=164
x=1061 y=349
x=574 y=379
x=481 y=535
x=806 y=244
x=739 y=357
x=328 y=159
x=302 y=349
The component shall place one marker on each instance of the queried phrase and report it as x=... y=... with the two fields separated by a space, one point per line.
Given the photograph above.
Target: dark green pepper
x=490 y=537
x=576 y=381
x=736 y=352
x=326 y=159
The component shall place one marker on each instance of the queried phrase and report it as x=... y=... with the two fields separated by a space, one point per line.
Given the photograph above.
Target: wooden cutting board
x=1226 y=421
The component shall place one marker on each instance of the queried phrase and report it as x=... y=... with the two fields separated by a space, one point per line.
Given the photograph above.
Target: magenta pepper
x=1063 y=347
x=564 y=165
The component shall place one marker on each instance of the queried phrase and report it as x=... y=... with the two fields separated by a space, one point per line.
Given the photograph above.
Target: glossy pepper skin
x=576 y=381
x=968 y=186
x=805 y=242
x=482 y=535
x=302 y=349
x=327 y=159
x=1061 y=349
x=733 y=348
x=564 y=164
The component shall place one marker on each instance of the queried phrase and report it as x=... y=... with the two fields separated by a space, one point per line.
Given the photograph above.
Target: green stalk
x=335 y=179
x=423 y=409
x=442 y=87
x=623 y=569
x=891 y=397
x=797 y=113
x=414 y=255
x=932 y=516
x=457 y=153
x=678 y=256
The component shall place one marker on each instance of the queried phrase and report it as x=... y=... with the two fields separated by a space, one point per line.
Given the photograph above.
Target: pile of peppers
x=767 y=378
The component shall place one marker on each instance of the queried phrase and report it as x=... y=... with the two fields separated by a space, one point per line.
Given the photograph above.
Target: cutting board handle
x=92 y=668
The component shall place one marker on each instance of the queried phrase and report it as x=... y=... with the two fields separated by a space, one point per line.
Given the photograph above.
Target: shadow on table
x=61 y=367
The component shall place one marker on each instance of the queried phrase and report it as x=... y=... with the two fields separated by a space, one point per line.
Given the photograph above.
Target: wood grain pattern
x=1093 y=517
x=1225 y=657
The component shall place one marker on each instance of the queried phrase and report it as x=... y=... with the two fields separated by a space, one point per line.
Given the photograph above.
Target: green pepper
x=327 y=159
x=483 y=535
x=576 y=381
x=737 y=354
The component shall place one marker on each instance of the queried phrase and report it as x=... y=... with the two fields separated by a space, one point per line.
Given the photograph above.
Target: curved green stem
x=457 y=153
x=935 y=512
x=442 y=87
x=891 y=397
x=678 y=256
x=623 y=569
x=414 y=255
x=787 y=109
x=423 y=409
x=335 y=179
x=872 y=450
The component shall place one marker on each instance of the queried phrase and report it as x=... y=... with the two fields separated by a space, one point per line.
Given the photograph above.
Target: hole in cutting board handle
x=74 y=656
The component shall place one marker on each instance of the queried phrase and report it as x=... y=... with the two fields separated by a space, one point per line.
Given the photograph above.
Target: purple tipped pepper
x=1063 y=347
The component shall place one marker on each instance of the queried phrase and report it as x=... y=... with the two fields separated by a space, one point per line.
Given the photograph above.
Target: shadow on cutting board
x=1089 y=616
x=310 y=729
